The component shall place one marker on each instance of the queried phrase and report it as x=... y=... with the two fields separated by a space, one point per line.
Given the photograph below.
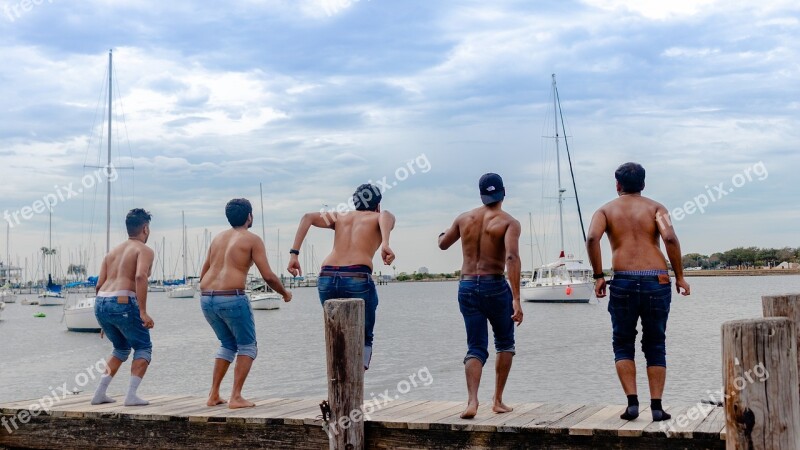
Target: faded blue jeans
x=122 y=323
x=231 y=318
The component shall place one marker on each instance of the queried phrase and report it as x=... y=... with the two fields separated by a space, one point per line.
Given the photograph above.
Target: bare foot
x=240 y=402
x=214 y=400
x=471 y=411
x=500 y=408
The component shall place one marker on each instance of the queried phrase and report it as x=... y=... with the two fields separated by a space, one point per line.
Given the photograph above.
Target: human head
x=239 y=212
x=630 y=178
x=138 y=223
x=367 y=198
x=492 y=189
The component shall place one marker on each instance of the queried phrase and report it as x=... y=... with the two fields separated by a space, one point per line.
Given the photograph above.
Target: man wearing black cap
x=490 y=244
x=347 y=271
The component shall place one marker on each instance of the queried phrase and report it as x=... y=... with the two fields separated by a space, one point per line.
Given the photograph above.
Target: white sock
x=100 y=396
x=132 y=399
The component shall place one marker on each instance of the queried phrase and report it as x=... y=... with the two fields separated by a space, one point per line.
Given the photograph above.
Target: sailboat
x=261 y=296
x=7 y=295
x=79 y=312
x=52 y=295
x=182 y=290
x=567 y=279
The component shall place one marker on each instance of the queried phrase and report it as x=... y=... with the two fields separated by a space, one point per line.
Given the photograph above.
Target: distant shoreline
x=740 y=273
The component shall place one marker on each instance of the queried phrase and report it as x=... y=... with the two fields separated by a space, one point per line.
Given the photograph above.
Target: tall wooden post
x=759 y=372
x=784 y=306
x=344 y=342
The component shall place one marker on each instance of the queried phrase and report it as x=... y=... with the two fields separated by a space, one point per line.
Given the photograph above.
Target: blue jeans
x=122 y=323
x=231 y=318
x=338 y=286
x=631 y=298
x=483 y=301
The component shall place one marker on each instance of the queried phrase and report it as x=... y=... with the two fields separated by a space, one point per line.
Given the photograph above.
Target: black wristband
x=598 y=276
x=294 y=252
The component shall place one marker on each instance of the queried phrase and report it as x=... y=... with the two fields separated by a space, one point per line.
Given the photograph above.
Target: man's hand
x=517 y=316
x=294 y=266
x=600 y=288
x=681 y=283
x=387 y=254
x=287 y=297
x=146 y=320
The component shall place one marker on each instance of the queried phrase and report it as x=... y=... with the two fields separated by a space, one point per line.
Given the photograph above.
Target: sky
x=311 y=98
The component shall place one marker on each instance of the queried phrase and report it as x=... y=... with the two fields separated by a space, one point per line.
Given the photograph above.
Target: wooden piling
x=759 y=374
x=344 y=342
x=785 y=306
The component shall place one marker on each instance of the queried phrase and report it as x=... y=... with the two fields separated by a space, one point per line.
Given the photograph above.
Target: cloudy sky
x=313 y=97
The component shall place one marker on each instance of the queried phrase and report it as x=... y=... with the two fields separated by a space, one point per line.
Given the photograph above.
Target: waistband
x=365 y=276
x=121 y=293
x=225 y=293
x=484 y=277
x=356 y=268
x=639 y=273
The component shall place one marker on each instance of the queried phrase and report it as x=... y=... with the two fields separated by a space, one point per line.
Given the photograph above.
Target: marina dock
x=185 y=422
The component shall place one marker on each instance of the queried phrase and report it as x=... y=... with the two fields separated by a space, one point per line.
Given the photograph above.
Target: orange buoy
x=569 y=290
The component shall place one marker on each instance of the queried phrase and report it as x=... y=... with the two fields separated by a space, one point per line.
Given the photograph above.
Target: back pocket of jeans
x=229 y=311
x=660 y=301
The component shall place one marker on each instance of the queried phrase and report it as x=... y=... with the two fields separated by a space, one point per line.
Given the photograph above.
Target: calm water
x=564 y=351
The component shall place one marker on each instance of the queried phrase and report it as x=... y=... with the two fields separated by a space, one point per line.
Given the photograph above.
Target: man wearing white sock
x=121 y=307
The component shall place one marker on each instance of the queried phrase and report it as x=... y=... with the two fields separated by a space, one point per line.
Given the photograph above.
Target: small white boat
x=567 y=280
x=50 y=298
x=7 y=296
x=156 y=288
x=79 y=315
x=265 y=300
x=182 y=291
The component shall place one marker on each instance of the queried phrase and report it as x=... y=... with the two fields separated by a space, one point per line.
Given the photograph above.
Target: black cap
x=492 y=189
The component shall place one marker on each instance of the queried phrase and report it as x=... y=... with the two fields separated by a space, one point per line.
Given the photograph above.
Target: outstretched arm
x=514 y=266
x=386 y=222
x=673 y=246
x=322 y=219
x=261 y=261
x=450 y=236
x=596 y=231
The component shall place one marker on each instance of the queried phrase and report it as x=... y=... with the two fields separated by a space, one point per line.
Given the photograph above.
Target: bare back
x=633 y=232
x=483 y=236
x=357 y=238
x=120 y=266
x=229 y=260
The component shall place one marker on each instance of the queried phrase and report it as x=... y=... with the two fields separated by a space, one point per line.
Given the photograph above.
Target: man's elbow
x=592 y=240
x=670 y=239
x=140 y=278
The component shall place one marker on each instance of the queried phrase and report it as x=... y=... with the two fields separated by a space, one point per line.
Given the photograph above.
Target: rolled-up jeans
x=484 y=302
x=122 y=323
x=633 y=297
x=231 y=318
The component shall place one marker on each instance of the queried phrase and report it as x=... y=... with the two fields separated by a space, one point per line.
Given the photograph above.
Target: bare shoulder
x=143 y=249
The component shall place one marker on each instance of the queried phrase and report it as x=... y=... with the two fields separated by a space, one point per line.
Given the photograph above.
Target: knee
x=250 y=350
x=655 y=354
x=121 y=354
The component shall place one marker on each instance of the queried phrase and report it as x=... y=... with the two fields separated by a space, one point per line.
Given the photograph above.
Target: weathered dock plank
x=182 y=422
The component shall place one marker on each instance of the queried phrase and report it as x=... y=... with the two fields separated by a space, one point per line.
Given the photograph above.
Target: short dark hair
x=135 y=221
x=367 y=197
x=631 y=177
x=237 y=211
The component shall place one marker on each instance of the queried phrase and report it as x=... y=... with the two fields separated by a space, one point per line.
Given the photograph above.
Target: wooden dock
x=184 y=422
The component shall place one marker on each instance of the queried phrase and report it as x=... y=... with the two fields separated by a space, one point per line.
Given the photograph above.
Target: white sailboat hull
x=51 y=299
x=268 y=301
x=557 y=293
x=181 y=292
x=80 y=316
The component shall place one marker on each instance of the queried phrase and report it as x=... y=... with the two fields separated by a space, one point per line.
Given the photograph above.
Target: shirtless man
x=224 y=303
x=347 y=271
x=121 y=307
x=641 y=285
x=490 y=244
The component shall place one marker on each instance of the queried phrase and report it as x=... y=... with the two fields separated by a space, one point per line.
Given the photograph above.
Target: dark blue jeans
x=631 y=298
x=338 y=286
x=484 y=302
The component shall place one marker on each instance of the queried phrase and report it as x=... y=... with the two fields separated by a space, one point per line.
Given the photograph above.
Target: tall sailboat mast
x=561 y=190
x=183 y=243
x=263 y=227
x=108 y=167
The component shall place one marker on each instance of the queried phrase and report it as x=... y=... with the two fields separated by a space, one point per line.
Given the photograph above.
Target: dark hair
x=631 y=177
x=237 y=211
x=367 y=197
x=135 y=221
